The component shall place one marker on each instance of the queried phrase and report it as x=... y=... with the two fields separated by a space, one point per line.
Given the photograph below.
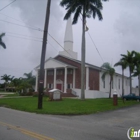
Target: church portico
x=61 y=76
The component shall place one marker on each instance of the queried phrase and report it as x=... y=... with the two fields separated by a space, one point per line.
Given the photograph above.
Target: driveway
x=111 y=125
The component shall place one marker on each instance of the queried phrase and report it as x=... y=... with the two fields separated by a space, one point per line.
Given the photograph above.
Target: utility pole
x=41 y=73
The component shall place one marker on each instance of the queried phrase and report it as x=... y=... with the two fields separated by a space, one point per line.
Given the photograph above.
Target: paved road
x=112 y=125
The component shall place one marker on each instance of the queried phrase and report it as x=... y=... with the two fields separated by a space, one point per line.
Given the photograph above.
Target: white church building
x=64 y=73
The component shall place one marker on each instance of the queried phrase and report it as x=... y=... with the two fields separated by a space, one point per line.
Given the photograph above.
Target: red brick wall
x=77 y=71
x=93 y=74
x=93 y=79
x=50 y=78
x=69 y=78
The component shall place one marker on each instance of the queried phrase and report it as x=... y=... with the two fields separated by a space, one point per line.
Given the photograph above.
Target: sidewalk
x=5 y=93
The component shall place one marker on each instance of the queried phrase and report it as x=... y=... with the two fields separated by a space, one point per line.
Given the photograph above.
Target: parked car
x=131 y=96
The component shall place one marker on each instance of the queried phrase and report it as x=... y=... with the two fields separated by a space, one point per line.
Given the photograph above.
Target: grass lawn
x=65 y=107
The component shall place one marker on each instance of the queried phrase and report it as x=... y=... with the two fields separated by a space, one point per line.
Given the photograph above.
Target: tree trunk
x=139 y=83
x=110 y=89
x=5 y=86
x=122 y=82
x=130 y=82
x=83 y=57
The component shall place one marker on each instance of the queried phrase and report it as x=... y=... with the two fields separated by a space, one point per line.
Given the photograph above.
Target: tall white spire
x=68 y=42
x=68 y=39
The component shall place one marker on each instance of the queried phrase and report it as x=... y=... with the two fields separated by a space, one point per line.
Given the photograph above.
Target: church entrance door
x=59 y=86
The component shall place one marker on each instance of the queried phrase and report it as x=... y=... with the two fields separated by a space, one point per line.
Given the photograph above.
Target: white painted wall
x=91 y=94
x=51 y=63
x=115 y=84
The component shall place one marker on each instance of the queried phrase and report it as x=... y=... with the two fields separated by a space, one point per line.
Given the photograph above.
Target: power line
x=20 y=25
x=7 y=5
x=94 y=44
x=52 y=46
x=24 y=38
x=22 y=22
x=33 y=40
x=38 y=29
x=59 y=44
x=23 y=35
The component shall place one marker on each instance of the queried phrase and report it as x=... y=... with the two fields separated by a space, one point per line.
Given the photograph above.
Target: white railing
x=74 y=92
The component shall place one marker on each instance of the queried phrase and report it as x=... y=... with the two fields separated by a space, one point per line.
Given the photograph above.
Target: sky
x=23 y=20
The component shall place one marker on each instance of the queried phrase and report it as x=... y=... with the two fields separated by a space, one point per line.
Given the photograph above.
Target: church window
x=50 y=86
x=59 y=72
x=50 y=72
x=70 y=71
x=69 y=86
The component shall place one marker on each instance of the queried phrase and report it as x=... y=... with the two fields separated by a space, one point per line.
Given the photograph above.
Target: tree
x=136 y=71
x=108 y=70
x=86 y=8
x=30 y=77
x=1 y=42
x=6 y=78
x=123 y=64
x=129 y=59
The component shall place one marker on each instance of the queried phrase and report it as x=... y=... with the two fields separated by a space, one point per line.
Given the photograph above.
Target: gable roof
x=54 y=63
x=78 y=61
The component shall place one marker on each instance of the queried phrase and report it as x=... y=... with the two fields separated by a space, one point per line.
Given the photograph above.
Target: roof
x=88 y=65
x=53 y=90
x=59 y=62
x=78 y=61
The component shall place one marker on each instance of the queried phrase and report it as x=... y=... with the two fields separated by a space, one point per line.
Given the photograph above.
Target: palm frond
x=3 y=45
x=121 y=63
x=64 y=2
x=107 y=69
x=77 y=14
x=92 y=7
x=106 y=65
x=1 y=35
x=104 y=75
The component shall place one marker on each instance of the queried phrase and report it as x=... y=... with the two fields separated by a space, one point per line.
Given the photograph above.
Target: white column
x=65 y=80
x=54 y=82
x=87 y=78
x=36 y=82
x=73 y=78
x=45 y=78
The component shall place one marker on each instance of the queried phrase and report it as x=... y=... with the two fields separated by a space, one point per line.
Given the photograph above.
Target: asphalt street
x=111 y=125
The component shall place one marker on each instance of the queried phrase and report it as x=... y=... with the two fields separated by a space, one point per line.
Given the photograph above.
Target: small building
x=55 y=95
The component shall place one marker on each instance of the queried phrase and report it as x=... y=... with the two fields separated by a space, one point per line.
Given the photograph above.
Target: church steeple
x=68 y=42
x=68 y=39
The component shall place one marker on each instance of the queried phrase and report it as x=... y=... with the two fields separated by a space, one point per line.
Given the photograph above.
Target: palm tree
x=6 y=78
x=86 y=8
x=137 y=68
x=123 y=64
x=108 y=70
x=30 y=77
x=16 y=82
x=1 y=42
x=129 y=59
